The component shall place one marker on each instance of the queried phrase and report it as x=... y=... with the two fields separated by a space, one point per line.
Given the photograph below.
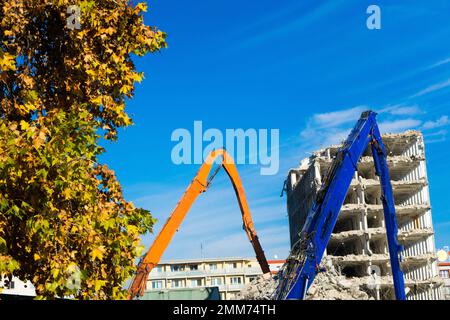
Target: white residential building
x=230 y=275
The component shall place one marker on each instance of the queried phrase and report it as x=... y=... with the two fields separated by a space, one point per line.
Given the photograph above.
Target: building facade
x=16 y=287
x=444 y=273
x=358 y=245
x=230 y=275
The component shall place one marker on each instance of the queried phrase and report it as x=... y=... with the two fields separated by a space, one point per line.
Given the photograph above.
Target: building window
x=177 y=283
x=216 y=281
x=193 y=267
x=232 y=265
x=235 y=280
x=444 y=274
x=158 y=269
x=196 y=282
x=157 y=284
x=213 y=266
x=11 y=285
x=251 y=279
x=176 y=268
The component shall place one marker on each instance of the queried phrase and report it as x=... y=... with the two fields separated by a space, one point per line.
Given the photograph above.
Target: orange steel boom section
x=198 y=185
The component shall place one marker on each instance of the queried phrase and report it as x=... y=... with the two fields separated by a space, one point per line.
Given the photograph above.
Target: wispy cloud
x=435 y=140
x=435 y=137
x=437 y=133
x=441 y=122
x=336 y=118
x=402 y=110
x=432 y=88
x=324 y=129
x=399 y=125
x=439 y=63
x=281 y=25
x=331 y=128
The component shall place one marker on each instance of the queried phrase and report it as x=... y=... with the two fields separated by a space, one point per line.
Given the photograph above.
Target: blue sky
x=307 y=68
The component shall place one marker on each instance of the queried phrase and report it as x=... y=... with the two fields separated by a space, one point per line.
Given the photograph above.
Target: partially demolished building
x=358 y=245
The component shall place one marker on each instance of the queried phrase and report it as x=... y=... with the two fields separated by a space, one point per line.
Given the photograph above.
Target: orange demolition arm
x=198 y=185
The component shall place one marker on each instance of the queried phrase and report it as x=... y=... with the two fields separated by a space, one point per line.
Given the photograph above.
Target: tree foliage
x=62 y=211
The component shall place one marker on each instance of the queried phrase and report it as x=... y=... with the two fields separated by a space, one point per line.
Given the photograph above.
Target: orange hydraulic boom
x=198 y=185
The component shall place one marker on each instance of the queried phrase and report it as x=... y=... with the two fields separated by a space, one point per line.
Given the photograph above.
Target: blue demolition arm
x=323 y=215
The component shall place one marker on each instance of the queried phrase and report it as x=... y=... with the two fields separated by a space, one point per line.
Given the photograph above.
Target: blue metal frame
x=323 y=215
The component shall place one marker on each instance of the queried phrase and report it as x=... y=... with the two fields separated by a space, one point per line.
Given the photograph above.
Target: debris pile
x=329 y=285
x=262 y=288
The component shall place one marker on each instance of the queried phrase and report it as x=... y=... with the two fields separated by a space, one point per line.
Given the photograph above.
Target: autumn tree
x=63 y=87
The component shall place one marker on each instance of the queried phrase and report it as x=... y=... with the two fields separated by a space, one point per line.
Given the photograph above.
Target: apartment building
x=230 y=275
x=444 y=270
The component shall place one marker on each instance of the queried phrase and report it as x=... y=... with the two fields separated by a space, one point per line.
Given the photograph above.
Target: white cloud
x=401 y=110
x=442 y=121
x=434 y=137
x=440 y=63
x=331 y=128
x=338 y=117
x=432 y=88
x=321 y=137
x=430 y=141
x=399 y=125
x=437 y=133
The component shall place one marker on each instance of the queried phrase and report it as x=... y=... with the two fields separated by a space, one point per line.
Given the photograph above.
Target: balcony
x=235 y=287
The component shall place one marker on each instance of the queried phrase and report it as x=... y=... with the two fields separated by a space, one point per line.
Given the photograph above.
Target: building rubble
x=328 y=285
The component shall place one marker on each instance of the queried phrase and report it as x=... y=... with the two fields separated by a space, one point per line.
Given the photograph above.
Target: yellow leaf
x=39 y=140
x=55 y=272
x=98 y=100
x=67 y=192
x=139 y=250
x=98 y=284
x=98 y=252
x=7 y=61
x=36 y=257
x=141 y=7
x=24 y=125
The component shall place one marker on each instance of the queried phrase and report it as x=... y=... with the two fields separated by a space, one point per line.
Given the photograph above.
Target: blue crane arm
x=303 y=265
